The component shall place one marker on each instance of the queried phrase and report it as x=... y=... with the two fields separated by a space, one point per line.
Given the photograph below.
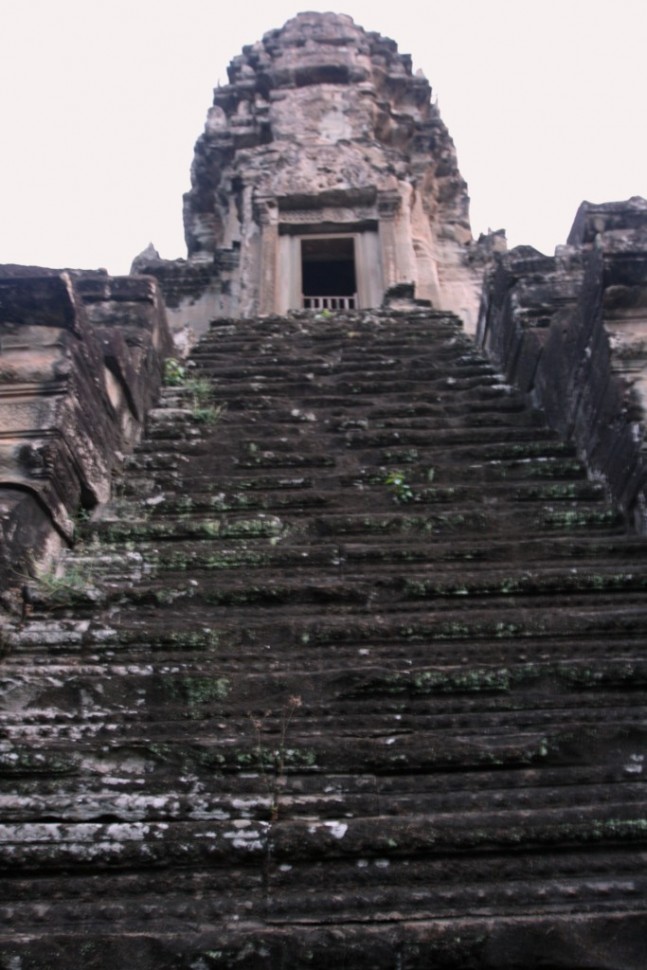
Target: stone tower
x=325 y=178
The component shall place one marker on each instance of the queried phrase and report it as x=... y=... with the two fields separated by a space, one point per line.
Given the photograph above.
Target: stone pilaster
x=267 y=215
x=388 y=206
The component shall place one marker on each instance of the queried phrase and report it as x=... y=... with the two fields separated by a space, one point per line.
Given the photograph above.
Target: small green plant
x=174 y=372
x=399 y=487
x=57 y=588
x=200 y=393
x=198 y=390
x=209 y=414
x=82 y=515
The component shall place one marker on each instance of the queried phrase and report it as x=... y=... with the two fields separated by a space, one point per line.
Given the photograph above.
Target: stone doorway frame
x=321 y=258
x=368 y=268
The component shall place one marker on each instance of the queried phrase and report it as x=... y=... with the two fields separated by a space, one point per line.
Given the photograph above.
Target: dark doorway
x=328 y=272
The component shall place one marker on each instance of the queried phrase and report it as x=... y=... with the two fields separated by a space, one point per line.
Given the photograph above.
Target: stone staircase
x=350 y=674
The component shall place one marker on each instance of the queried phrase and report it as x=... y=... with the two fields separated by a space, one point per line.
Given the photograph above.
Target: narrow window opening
x=328 y=273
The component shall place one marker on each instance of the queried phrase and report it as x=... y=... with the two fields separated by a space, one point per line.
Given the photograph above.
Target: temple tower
x=324 y=178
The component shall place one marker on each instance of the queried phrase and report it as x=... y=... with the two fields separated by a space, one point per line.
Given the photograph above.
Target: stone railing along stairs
x=352 y=676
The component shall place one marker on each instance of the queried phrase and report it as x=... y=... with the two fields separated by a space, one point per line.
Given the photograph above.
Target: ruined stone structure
x=324 y=178
x=345 y=664
x=571 y=331
x=81 y=359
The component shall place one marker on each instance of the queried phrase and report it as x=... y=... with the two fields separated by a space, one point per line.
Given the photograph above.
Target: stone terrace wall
x=571 y=330
x=80 y=363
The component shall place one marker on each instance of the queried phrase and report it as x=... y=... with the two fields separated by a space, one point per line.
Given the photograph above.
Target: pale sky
x=102 y=101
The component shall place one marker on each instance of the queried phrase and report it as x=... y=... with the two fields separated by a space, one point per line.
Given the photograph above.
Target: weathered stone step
x=484 y=418
x=458 y=444
x=363 y=378
x=335 y=419
x=411 y=356
x=96 y=788
x=339 y=345
x=375 y=326
x=213 y=515
x=355 y=923
x=190 y=730
x=301 y=795
x=523 y=581
x=153 y=460
x=403 y=637
x=517 y=628
x=436 y=326
x=424 y=406
x=365 y=945
x=243 y=842
x=449 y=437
x=392 y=639
x=472 y=519
x=465 y=572
x=190 y=464
x=259 y=456
x=145 y=489
x=422 y=376
x=224 y=527
x=378 y=486
x=424 y=340
x=377 y=589
x=297 y=550
x=237 y=500
x=198 y=681
x=164 y=582
x=515 y=633
x=532 y=886
x=415 y=365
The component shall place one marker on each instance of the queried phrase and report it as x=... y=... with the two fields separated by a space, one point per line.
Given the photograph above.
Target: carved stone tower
x=324 y=178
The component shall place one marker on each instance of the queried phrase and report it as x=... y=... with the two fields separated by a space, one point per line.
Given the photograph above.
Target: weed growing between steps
x=198 y=390
x=399 y=487
x=174 y=372
x=272 y=761
x=197 y=691
x=60 y=587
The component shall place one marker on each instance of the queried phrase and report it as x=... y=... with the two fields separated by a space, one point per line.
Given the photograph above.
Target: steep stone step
x=172 y=702
x=147 y=492
x=380 y=593
x=347 y=796
x=372 y=558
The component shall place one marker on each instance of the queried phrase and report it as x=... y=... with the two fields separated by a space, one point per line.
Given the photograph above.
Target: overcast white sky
x=101 y=102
